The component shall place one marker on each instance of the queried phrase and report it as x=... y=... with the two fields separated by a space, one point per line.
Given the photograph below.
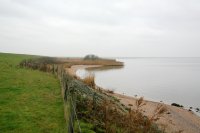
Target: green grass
x=85 y=127
x=30 y=101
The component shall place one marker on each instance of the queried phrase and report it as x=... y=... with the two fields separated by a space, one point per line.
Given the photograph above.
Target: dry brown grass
x=158 y=112
x=111 y=119
x=139 y=103
x=46 y=63
x=89 y=80
x=103 y=62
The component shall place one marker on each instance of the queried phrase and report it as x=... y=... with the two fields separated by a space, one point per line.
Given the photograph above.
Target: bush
x=91 y=57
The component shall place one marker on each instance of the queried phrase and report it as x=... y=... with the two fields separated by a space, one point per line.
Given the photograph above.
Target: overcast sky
x=161 y=28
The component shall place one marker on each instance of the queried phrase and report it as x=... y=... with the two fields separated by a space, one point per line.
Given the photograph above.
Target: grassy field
x=30 y=100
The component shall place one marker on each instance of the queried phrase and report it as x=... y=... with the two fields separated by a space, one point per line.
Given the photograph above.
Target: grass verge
x=30 y=101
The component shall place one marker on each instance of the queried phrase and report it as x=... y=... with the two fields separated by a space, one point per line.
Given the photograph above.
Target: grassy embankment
x=105 y=115
x=30 y=100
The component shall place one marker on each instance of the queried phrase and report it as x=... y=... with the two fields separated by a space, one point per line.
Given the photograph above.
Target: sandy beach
x=174 y=120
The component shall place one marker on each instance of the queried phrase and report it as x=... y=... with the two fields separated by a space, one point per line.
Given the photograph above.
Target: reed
x=89 y=80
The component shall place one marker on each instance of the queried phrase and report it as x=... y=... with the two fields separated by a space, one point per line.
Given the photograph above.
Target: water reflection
x=82 y=73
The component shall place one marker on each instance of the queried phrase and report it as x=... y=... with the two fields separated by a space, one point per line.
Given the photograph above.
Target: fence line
x=70 y=87
x=76 y=117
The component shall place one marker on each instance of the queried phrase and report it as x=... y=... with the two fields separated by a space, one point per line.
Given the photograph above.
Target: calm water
x=158 y=79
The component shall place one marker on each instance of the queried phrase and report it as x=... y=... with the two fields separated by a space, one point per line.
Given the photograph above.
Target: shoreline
x=72 y=70
x=174 y=120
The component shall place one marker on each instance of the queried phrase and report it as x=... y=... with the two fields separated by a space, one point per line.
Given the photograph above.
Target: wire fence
x=69 y=96
x=70 y=89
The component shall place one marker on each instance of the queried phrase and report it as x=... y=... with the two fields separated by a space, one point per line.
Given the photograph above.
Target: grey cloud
x=127 y=28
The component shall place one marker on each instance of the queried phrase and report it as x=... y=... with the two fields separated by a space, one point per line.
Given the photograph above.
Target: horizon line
x=115 y=57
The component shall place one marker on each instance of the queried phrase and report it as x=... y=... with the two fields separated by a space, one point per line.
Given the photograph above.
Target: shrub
x=91 y=57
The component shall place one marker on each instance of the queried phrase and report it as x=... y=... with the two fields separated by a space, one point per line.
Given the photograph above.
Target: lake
x=157 y=79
